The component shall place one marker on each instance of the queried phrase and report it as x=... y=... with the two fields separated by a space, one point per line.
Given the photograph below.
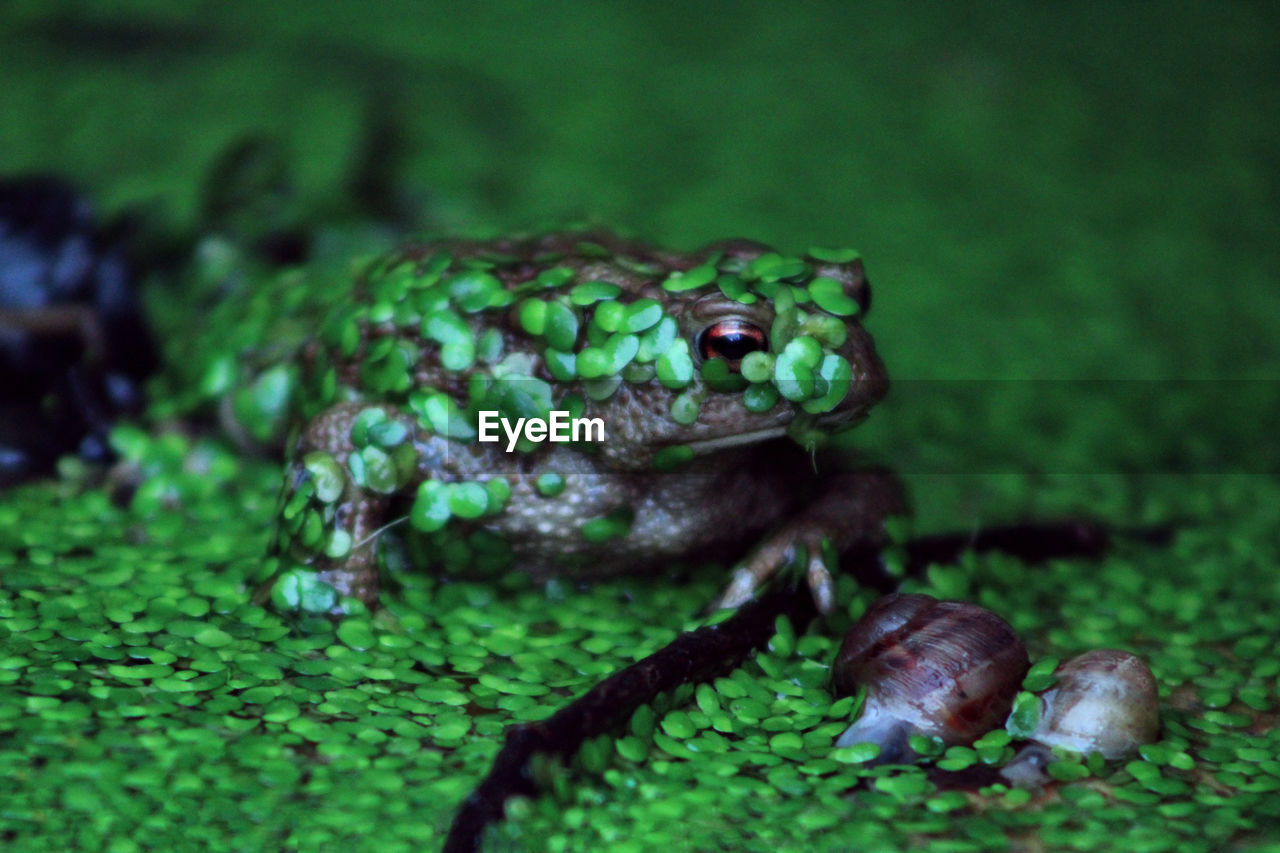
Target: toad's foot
x=779 y=551
x=335 y=500
x=848 y=513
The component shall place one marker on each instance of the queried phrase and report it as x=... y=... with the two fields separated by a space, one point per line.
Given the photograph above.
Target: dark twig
x=694 y=656
x=1031 y=542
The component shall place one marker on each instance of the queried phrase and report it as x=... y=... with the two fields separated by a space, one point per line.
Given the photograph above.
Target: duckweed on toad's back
x=712 y=374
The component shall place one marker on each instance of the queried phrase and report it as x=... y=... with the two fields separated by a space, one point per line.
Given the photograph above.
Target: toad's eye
x=731 y=340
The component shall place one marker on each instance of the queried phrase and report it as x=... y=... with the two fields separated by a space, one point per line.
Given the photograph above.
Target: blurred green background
x=1070 y=212
x=1059 y=193
x=1065 y=191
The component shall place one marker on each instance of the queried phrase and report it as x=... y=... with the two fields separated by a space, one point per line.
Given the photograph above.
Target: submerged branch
x=694 y=656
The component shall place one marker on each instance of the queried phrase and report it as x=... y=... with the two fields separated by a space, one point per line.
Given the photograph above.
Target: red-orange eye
x=731 y=340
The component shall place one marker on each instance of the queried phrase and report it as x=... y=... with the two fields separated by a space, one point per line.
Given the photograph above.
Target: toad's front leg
x=848 y=512
x=346 y=468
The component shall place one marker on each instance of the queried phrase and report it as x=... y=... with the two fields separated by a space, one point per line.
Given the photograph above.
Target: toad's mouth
x=711 y=445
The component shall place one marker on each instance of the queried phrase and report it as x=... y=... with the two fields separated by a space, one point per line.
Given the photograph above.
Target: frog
x=713 y=376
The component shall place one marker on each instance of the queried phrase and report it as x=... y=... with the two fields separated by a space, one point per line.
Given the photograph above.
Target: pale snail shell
x=943 y=669
x=1103 y=701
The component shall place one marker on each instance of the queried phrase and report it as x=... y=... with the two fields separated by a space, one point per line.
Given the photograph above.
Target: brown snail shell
x=945 y=669
x=1104 y=701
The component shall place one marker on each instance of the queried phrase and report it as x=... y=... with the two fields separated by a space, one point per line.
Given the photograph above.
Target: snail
x=1102 y=701
x=936 y=668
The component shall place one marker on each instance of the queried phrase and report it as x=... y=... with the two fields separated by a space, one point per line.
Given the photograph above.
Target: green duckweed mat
x=1070 y=221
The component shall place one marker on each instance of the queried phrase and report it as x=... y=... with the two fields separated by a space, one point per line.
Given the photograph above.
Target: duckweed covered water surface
x=150 y=705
